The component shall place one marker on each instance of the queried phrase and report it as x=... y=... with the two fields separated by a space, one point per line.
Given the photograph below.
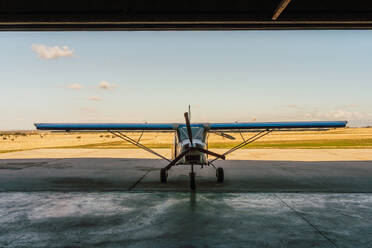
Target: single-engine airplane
x=191 y=140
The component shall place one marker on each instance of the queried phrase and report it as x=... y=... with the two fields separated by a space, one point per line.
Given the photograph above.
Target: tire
x=220 y=175
x=163 y=175
x=192 y=181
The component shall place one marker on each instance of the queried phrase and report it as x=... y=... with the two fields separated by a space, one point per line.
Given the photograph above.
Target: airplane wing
x=106 y=126
x=276 y=125
x=173 y=126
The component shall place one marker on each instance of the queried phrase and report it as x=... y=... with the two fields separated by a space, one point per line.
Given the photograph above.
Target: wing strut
x=245 y=142
x=136 y=143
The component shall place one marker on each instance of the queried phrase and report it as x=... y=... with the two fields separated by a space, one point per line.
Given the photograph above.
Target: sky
x=225 y=76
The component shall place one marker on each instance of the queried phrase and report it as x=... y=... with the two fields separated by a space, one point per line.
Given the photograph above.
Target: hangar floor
x=119 y=202
x=123 y=170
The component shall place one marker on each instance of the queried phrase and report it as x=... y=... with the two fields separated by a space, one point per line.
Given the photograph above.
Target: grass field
x=338 y=138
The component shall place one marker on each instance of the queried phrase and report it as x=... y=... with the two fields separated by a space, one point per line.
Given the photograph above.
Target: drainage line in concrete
x=138 y=181
x=306 y=220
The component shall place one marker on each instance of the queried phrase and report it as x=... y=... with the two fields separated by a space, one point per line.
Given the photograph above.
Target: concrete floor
x=107 y=174
x=119 y=202
x=174 y=219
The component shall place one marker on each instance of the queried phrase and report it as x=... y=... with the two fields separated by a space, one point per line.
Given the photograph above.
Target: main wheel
x=192 y=181
x=220 y=175
x=163 y=175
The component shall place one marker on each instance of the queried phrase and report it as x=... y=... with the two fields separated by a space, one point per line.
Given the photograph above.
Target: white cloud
x=75 y=86
x=105 y=85
x=294 y=106
x=352 y=105
x=88 y=110
x=317 y=114
x=342 y=114
x=95 y=98
x=337 y=114
x=45 y=52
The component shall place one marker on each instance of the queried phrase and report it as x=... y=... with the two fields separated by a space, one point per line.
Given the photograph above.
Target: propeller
x=189 y=133
x=188 y=126
x=193 y=148
x=210 y=153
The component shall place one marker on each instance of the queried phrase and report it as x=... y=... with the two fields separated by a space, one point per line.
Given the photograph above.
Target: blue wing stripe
x=173 y=126
x=104 y=126
x=272 y=125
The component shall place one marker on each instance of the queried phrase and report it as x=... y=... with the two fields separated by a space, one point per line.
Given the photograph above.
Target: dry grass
x=338 y=138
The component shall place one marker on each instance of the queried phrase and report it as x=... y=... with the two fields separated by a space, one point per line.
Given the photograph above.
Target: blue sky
x=153 y=76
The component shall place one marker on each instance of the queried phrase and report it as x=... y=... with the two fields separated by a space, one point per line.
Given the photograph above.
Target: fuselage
x=182 y=143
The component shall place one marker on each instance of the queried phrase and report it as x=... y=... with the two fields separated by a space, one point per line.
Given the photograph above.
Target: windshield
x=197 y=133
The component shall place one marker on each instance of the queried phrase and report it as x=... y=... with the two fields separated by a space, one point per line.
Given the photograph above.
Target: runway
x=86 y=201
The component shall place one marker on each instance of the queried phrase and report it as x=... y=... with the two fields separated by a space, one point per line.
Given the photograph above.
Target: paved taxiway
x=87 y=200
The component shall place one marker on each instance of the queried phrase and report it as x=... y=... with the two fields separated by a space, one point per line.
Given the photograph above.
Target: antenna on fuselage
x=189 y=112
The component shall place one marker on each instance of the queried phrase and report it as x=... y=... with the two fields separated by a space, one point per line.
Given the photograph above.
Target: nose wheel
x=220 y=175
x=192 y=179
x=163 y=175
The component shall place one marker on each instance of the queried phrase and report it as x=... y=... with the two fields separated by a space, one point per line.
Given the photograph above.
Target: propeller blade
x=210 y=153
x=189 y=132
x=225 y=135
x=174 y=161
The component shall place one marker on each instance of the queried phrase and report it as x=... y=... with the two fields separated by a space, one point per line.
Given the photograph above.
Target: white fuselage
x=193 y=157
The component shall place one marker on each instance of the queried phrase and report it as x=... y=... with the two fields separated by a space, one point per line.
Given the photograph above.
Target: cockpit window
x=197 y=133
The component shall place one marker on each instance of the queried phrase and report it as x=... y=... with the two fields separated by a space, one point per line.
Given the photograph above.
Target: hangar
x=23 y=15
x=277 y=219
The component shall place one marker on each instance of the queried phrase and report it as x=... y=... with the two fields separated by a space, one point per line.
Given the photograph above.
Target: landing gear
x=192 y=179
x=163 y=175
x=220 y=175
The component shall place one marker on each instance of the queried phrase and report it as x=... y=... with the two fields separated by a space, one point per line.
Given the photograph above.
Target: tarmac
x=87 y=200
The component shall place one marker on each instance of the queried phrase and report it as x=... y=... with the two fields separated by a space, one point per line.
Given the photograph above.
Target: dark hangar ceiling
x=184 y=14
